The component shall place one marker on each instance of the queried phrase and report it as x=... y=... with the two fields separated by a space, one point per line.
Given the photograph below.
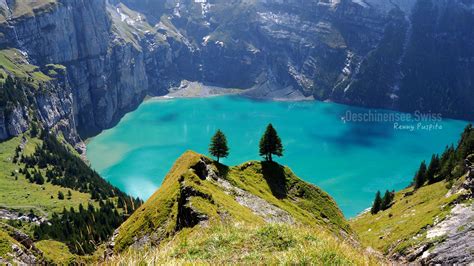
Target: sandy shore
x=191 y=89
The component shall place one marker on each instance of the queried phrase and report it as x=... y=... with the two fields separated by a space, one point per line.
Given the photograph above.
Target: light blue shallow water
x=349 y=160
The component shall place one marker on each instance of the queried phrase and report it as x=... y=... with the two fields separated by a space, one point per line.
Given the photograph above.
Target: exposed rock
x=17 y=122
x=108 y=77
x=3 y=127
x=29 y=218
x=23 y=257
x=259 y=206
x=457 y=233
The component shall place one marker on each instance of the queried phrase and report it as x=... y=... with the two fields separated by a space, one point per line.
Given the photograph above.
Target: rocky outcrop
x=457 y=233
x=17 y=122
x=13 y=122
x=187 y=215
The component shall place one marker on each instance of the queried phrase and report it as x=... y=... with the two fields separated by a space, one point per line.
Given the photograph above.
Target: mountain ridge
x=202 y=197
x=276 y=196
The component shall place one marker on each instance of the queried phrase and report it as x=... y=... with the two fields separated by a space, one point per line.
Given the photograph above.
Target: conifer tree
x=270 y=144
x=39 y=179
x=377 y=204
x=433 y=169
x=218 y=147
x=387 y=200
x=420 y=176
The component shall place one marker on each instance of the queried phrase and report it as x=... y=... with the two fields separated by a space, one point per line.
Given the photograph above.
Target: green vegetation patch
x=28 y=8
x=55 y=252
x=17 y=193
x=6 y=243
x=279 y=186
x=13 y=62
x=241 y=244
x=394 y=229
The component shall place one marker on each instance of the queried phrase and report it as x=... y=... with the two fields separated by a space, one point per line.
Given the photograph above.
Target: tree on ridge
x=218 y=147
x=270 y=144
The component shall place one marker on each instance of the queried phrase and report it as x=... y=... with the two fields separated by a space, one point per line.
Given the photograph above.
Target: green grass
x=393 y=230
x=13 y=62
x=269 y=244
x=21 y=195
x=6 y=243
x=279 y=186
x=55 y=252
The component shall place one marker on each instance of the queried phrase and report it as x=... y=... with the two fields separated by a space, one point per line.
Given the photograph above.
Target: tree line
x=67 y=170
x=270 y=144
x=83 y=229
x=448 y=166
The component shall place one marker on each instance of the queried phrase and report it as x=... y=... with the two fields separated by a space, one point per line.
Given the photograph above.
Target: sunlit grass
x=396 y=229
x=237 y=244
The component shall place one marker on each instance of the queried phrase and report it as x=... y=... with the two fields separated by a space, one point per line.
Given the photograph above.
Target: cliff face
x=107 y=78
x=362 y=52
x=40 y=95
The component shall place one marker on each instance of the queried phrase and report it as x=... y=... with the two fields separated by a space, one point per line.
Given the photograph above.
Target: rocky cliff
x=364 y=52
x=107 y=77
x=35 y=96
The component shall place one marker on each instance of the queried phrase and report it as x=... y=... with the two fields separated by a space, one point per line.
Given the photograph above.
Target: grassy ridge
x=158 y=216
x=281 y=187
x=393 y=230
x=231 y=232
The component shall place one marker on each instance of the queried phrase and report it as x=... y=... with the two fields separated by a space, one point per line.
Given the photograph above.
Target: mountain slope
x=50 y=197
x=434 y=223
x=200 y=199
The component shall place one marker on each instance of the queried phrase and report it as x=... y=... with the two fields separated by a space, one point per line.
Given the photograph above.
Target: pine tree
x=39 y=178
x=377 y=204
x=447 y=163
x=387 y=200
x=270 y=144
x=433 y=169
x=34 y=130
x=218 y=147
x=420 y=176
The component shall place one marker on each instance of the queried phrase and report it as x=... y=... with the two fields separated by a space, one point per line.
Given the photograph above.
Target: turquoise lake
x=350 y=160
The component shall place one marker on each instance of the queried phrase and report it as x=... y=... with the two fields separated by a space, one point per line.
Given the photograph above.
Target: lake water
x=350 y=160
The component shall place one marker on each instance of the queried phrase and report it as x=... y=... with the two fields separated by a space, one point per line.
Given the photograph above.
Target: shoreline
x=193 y=89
